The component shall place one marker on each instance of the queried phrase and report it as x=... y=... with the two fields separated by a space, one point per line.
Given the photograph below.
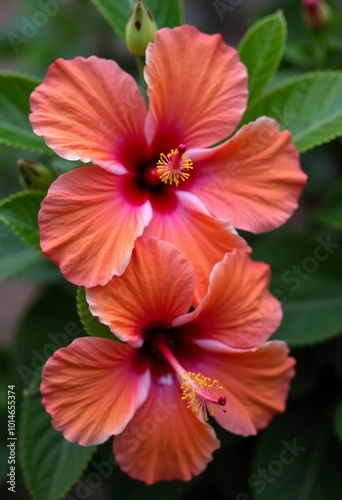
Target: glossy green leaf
x=116 y=12
x=309 y=106
x=91 y=324
x=306 y=278
x=59 y=166
x=297 y=458
x=261 y=50
x=15 y=128
x=20 y=213
x=338 y=421
x=50 y=464
x=51 y=322
x=329 y=213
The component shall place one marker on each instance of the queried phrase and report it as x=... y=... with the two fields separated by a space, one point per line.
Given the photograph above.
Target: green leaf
x=50 y=463
x=91 y=323
x=116 y=12
x=338 y=421
x=297 y=458
x=59 y=166
x=309 y=106
x=261 y=50
x=304 y=54
x=306 y=278
x=50 y=323
x=15 y=256
x=15 y=128
x=330 y=212
x=20 y=213
x=16 y=263
x=307 y=373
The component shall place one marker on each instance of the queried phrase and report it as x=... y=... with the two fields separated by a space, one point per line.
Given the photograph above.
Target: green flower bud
x=140 y=29
x=34 y=176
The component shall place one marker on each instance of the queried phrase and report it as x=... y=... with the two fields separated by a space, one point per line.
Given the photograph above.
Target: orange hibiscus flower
x=213 y=361
x=155 y=174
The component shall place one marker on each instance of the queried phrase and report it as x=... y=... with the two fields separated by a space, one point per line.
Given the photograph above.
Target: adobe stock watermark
x=293 y=276
x=58 y=340
x=223 y=6
x=85 y=486
x=265 y=476
x=31 y=26
x=299 y=272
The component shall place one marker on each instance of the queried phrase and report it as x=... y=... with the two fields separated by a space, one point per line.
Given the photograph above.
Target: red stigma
x=181 y=148
x=222 y=400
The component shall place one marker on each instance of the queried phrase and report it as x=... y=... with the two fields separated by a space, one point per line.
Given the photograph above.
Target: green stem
x=141 y=64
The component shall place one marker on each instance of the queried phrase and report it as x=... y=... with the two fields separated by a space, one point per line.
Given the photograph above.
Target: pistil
x=174 y=167
x=199 y=391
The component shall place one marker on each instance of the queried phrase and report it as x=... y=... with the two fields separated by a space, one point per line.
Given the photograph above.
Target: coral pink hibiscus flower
x=213 y=361
x=155 y=174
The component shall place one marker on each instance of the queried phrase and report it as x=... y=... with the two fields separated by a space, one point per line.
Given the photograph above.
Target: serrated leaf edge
x=9 y=224
x=78 y=307
x=80 y=289
x=288 y=83
x=22 y=76
x=19 y=145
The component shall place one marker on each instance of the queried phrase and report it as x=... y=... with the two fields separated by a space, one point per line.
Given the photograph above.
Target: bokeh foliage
x=295 y=76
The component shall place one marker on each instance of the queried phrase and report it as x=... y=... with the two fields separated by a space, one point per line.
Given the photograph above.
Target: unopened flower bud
x=33 y=175
x=316 y=14
x=140 y=29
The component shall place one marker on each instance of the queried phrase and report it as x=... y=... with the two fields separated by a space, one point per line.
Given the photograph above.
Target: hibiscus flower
x=155 y=174
x=176 y=369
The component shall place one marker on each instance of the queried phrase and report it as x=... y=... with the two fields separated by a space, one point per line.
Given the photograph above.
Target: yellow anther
x=174 y=167
x=199 y=392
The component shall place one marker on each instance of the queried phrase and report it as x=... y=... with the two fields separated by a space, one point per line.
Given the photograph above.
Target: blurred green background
x=39 y=301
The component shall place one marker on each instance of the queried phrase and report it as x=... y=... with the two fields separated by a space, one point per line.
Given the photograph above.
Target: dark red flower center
x=201 y=393
x=154 y=172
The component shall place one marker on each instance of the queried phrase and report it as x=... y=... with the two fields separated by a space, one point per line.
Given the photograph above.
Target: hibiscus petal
x=87 y=226
x=203 y=102
x=255 y=382
x=88 y=110
x=93 y=387
x=239 y=311
x=156 y=287
x=203 y=239
x=253 y=180
x=164 y=440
